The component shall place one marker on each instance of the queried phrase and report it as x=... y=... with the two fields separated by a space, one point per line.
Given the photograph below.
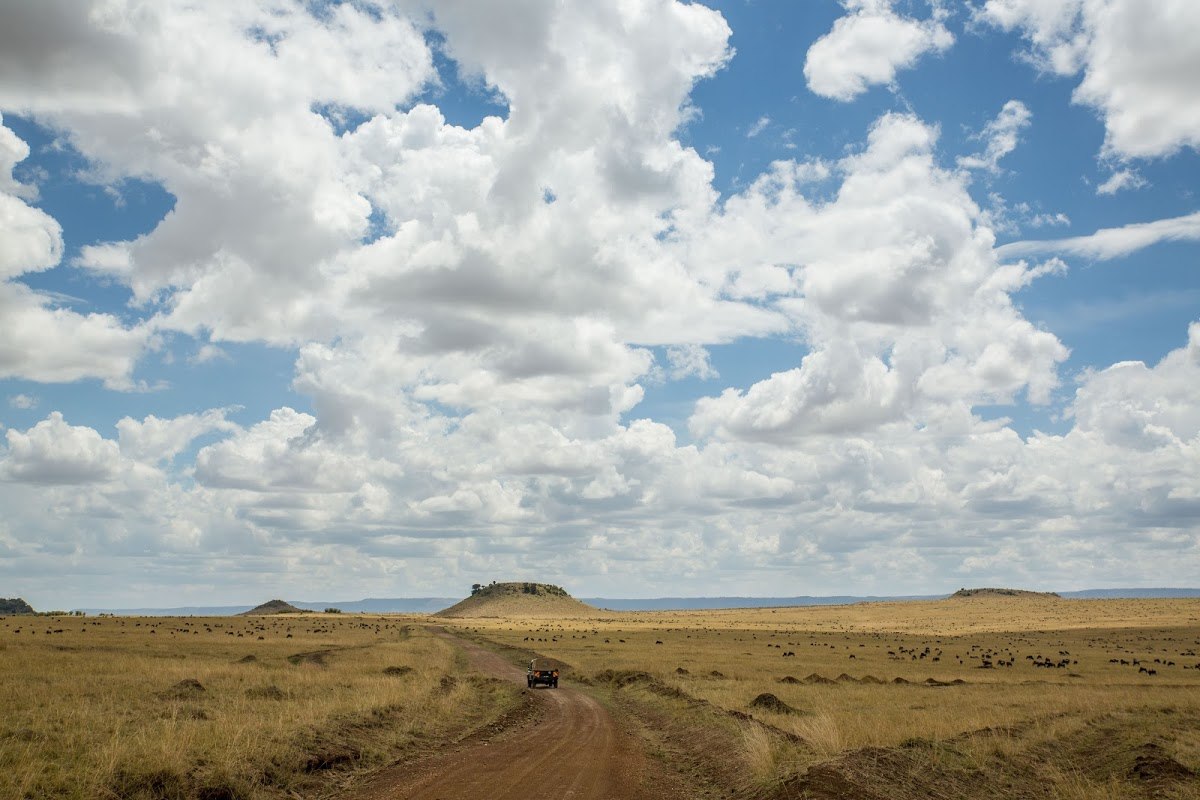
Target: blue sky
x=731 y=298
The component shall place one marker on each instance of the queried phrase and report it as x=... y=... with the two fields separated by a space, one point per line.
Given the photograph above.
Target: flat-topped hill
x=274 y=607
x=1004 y=593
x=518 y=600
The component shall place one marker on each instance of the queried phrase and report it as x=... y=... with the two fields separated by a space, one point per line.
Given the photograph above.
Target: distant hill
x=1136 y=594
x=274 y=607
x=382 y=605
x=15 y=605
x=518 y=600
x=717 y=603
x=1003 y=593
x=428 y=605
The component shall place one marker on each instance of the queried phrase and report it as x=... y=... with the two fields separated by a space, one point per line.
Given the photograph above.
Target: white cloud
x=217 y=104
x=1111 y=243
x=153 y=440
x=1120 y=180
x=758 y=127
x=690 y=359
x=1002 y=135
x=41 y=342
x=1137 y=61
x=13 y=150
x=1134 y=406
x=56 y=345
x=23 y=401
x=475 y=369
x=1049 y=220
x=53 y=452
x=899 y=297
x=208 y=353
x=868 y=46
x=30 y=239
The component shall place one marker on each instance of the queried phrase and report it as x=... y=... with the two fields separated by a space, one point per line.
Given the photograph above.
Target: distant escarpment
x=274 y=607
x=521 y=599
x=1002 y=593
x=15 y=605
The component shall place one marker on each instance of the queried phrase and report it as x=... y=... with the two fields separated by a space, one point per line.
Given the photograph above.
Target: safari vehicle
x=543 y=676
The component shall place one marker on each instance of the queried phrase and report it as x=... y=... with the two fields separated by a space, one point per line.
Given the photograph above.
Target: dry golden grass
x=1071 y=731
x=95 y=708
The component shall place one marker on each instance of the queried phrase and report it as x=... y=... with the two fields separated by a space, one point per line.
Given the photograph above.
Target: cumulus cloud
x=1137 y=60
x=475 y=309
x=260 y=197
x=1143 y=407
x=153 y=440
x=54 y=452
x=868 y=46
x=41 y=342
x=57 y=345
x=32 y=239
x=899 y=296
x=1111 y=243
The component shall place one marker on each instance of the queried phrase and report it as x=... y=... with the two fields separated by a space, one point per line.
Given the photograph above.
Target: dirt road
x=572 y=748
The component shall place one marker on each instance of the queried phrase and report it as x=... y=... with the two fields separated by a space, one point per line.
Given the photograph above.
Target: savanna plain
x=989 y=695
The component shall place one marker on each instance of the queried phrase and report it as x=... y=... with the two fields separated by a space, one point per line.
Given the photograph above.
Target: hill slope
x=518 y=600
x=274 y=607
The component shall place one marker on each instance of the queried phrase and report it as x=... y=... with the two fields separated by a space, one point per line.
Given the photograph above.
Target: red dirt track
x=570 y=748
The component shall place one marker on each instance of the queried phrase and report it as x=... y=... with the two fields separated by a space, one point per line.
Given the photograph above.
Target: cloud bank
x=477 y=310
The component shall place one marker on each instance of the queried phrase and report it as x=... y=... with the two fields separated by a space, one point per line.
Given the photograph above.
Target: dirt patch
x=788 y=679
x=1152 y=765
x=447 y=684
x=398 y=672
x=246 y=660
x=769 y=702
x=816 y=679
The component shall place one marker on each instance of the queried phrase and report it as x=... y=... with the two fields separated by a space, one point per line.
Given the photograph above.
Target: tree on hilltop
x=15 y=605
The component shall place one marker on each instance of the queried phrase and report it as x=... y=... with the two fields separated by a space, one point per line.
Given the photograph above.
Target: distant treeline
x=517 y=587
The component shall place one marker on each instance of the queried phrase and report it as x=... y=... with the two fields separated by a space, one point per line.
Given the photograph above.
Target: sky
x=643 y=298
